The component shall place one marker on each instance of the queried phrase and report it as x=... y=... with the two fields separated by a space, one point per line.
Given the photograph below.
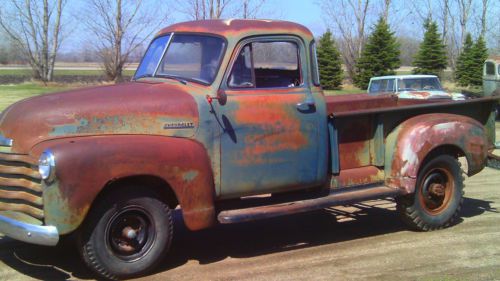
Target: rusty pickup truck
x=224 y=121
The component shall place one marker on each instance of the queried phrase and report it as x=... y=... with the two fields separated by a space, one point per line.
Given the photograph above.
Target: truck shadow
x=243 y=240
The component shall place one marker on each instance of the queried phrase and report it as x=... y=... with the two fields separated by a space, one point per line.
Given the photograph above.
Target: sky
x=305 y=12
x=403 y=20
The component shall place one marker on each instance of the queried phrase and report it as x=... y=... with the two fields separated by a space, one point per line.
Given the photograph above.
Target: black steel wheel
x=438 y=195
x=126 y=234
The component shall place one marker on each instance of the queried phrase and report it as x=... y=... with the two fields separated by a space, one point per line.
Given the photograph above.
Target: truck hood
x=424 y=95
x=129 y=108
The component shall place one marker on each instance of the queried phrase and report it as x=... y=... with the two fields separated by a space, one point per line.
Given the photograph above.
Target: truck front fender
x=86 y=165
x=411 y=142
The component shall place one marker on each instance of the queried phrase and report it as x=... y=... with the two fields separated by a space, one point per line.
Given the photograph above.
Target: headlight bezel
x=47 y=165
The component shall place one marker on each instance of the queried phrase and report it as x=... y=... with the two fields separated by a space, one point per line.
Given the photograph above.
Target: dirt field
x=363 y=242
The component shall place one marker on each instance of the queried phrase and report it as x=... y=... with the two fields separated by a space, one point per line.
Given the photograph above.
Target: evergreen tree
x=479 y=55
x=431 y=56
x=380 y=56
x=465 y=63
x=330 y=66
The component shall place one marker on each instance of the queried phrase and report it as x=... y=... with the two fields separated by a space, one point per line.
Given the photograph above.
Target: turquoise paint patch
x=190 y=176
x=69 y=128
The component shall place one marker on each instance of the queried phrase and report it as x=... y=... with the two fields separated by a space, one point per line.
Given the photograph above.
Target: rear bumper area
x=30 y=233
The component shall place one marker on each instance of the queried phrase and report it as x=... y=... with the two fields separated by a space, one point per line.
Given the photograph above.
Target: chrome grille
x=20 y=185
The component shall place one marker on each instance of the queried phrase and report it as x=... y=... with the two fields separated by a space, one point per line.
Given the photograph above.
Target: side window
x=266 y=65
x=383 y=85
x=242 y=74
x=489 y=68
x=390 y=86
x=374 y=87
x=314 y=64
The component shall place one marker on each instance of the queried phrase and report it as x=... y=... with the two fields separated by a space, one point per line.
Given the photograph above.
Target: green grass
x=63 y=72
x=343 y=92
x=9 y=94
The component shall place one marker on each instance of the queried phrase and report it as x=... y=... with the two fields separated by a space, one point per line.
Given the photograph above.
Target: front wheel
x=438 y=195
x=126 y=234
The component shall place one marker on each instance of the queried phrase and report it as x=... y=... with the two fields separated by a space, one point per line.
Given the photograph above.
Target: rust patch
x=357 y=176
x=182 y=163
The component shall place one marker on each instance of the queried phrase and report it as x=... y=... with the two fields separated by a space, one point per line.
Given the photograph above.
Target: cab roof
x=495 y=59
x=403 y=76
x=239 y=28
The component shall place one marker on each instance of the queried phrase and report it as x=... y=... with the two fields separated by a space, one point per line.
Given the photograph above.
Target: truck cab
x=491 y=79
x=411 y=87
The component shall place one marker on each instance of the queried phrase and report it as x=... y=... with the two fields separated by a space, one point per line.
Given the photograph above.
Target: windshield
x=381 y=86
x=419 y=84
x=183 y=56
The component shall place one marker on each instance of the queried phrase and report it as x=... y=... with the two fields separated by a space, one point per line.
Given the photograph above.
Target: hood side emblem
x=178 y=125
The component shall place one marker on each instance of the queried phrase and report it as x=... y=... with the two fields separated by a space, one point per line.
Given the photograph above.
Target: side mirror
x=221 y=97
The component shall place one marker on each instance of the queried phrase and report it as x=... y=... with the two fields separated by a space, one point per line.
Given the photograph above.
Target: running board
x=335 y=198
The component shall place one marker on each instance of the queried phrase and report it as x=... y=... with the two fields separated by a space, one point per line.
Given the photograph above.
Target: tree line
x=381 y=56
x=446 y=24
x=118 y=29
x=362 y=32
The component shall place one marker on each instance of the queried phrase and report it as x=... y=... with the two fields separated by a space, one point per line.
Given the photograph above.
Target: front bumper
x=30 y=233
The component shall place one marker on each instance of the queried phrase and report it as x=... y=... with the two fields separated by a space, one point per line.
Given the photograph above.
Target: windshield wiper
x=143 y=76
x=173 y=77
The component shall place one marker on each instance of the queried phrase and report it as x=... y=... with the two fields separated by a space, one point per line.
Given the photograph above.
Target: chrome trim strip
x=5 y=141
x=163 y=53
x=30 y=233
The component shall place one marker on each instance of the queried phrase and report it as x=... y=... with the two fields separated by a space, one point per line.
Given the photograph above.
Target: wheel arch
x=88 y=166
x=422 y=137
x=152 y=183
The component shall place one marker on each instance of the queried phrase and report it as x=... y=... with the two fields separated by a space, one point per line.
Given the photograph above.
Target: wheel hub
x=436 y=190
x=129 y=234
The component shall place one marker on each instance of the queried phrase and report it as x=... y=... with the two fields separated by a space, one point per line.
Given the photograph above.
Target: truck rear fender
x=86 y=166
x=412 y=141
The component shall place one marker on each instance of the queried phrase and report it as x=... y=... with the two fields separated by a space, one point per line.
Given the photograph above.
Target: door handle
x=306 y=104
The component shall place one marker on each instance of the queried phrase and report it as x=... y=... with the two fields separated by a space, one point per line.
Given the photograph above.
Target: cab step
x=336 y=197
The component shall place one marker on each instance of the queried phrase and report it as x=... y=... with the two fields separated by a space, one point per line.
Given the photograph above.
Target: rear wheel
x=126 y=234
x=438 y=195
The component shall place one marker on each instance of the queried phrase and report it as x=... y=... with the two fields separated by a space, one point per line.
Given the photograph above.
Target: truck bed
x=355 y=104
x=359 y=125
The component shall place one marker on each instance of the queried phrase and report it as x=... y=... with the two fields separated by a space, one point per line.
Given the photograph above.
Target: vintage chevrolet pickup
x=219 y=114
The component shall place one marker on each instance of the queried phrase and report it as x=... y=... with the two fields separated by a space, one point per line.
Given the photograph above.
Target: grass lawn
x=63 y=72
x=9 y=94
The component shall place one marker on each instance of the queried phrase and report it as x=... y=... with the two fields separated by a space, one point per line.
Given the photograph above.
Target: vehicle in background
x=491 y=78
x=411 y=87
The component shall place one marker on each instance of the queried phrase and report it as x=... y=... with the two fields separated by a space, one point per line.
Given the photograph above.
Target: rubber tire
x=414 y=214
x=100 y=258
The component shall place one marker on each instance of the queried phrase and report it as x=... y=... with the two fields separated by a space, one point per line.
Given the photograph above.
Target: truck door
x=270 y=140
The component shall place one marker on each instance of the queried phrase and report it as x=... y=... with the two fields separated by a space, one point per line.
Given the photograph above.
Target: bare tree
x=36 y=31
x=387 y=6
x=445 y=8
x=120 y=28
x=484 y=11
x=204 y=9
x=464 y=8
x=423 y=9
x=349 y=18
x=250 y=9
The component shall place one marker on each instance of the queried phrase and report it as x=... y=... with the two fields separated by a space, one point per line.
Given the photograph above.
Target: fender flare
x=85 y=166
x=411 y=142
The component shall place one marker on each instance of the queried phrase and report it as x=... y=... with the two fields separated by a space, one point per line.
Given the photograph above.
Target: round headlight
x=46 y=165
